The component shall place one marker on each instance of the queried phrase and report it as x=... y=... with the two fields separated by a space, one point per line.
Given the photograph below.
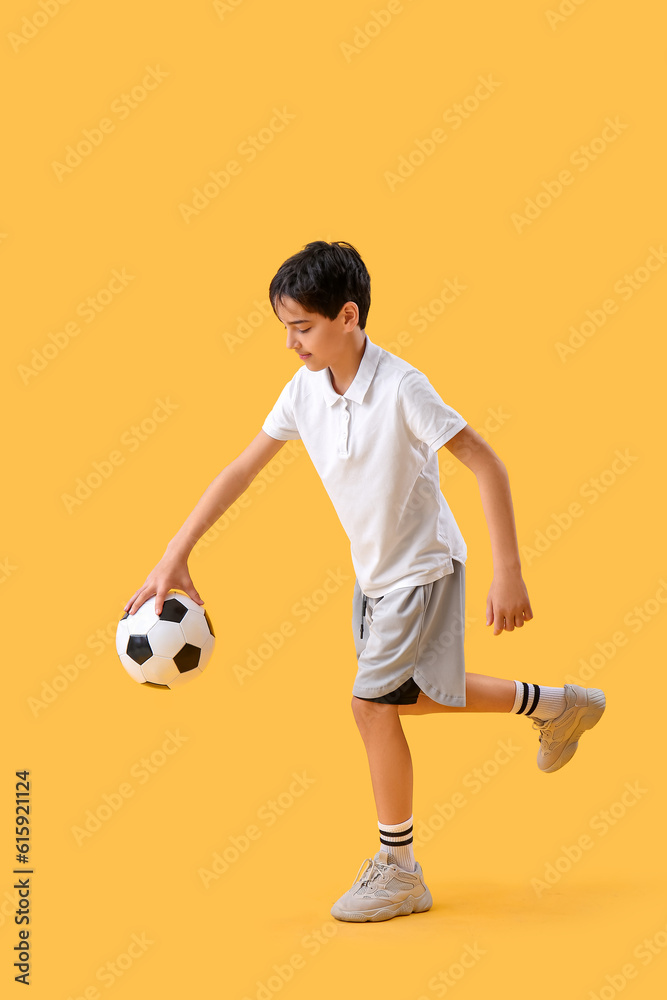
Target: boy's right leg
x=581 y=709
x=483 y=694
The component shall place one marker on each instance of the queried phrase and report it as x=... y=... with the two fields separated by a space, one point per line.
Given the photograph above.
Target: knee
x=369 y=713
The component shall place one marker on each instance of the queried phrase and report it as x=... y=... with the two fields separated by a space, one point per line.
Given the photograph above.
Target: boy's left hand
x=507 y=605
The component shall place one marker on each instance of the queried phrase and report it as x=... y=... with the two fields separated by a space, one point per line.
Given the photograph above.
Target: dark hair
x=322 y=278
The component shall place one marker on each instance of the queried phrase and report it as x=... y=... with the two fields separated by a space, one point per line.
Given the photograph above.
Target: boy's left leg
x=389 y=758
x=386 y=887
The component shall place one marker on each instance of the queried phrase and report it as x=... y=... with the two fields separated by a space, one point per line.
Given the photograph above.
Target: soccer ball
x=169 y=649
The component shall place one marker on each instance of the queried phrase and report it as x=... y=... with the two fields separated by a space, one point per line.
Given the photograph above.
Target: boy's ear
x=346 y=308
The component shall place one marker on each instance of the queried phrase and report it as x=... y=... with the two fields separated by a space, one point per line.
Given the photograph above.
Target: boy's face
x=318 y=341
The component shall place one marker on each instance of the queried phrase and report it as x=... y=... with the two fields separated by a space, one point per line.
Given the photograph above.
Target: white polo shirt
x=374 y=448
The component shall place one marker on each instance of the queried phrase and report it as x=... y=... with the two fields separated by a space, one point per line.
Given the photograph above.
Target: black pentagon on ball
x=187 y=658
x=208 y=622
x=124 y=616
x=173 y=611
x=153 y=684
x=139 y=649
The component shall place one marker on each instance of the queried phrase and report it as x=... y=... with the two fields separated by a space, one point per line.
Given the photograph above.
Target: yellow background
x=67 y=574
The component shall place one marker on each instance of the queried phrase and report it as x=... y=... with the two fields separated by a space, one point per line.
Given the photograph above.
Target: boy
x=372 y=424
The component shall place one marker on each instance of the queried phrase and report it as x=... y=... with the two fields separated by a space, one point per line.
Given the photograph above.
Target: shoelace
x=374 y=871
x=545 y=728
x=362 y=868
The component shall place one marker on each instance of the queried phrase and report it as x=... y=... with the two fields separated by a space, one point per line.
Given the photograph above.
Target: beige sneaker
x=382 y=890
x=559 y=737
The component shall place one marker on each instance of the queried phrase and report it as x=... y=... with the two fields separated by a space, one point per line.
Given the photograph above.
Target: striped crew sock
x=538 y=702
x=397 y=838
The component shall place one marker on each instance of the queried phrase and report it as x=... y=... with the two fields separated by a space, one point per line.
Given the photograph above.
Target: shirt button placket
x=343 y=450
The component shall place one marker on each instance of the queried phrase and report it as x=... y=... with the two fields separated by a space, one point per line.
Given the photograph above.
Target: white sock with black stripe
x=397 y=838
x=537 y=701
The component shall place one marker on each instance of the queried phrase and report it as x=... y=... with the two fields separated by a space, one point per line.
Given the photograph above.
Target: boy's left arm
x=507 y=604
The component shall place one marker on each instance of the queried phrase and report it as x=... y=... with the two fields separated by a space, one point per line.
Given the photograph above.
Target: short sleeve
x=429 y=418
x=281 y=422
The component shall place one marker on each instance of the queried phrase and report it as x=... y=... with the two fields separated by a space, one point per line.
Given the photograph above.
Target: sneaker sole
x=402 y=909
x=592 y=713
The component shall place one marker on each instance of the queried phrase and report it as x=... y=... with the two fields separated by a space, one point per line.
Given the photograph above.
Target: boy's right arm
x=172 y=570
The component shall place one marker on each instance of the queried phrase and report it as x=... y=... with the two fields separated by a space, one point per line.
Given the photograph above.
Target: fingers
x=146 y=592
x=503 y=625
x=132 y=605
x=167 y=575
x=507 y=623
x=141 y=598
x=130 y=602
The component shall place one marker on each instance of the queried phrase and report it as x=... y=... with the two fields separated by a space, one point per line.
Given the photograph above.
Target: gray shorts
x=412 y=639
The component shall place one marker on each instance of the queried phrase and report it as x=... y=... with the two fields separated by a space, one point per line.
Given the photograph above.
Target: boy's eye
x=304 y=329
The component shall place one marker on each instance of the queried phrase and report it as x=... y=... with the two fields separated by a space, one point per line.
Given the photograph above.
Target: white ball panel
x=160 y=670
x=185 y=678
x=166 y=638
x=133 y=669
x=195 y=629
x=206 y=652
x=140 y=622
x=122 y=635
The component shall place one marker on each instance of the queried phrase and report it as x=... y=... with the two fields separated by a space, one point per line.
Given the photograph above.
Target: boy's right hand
x=171 y=573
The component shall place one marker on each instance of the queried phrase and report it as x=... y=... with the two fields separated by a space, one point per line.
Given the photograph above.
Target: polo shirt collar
x=365 y=372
